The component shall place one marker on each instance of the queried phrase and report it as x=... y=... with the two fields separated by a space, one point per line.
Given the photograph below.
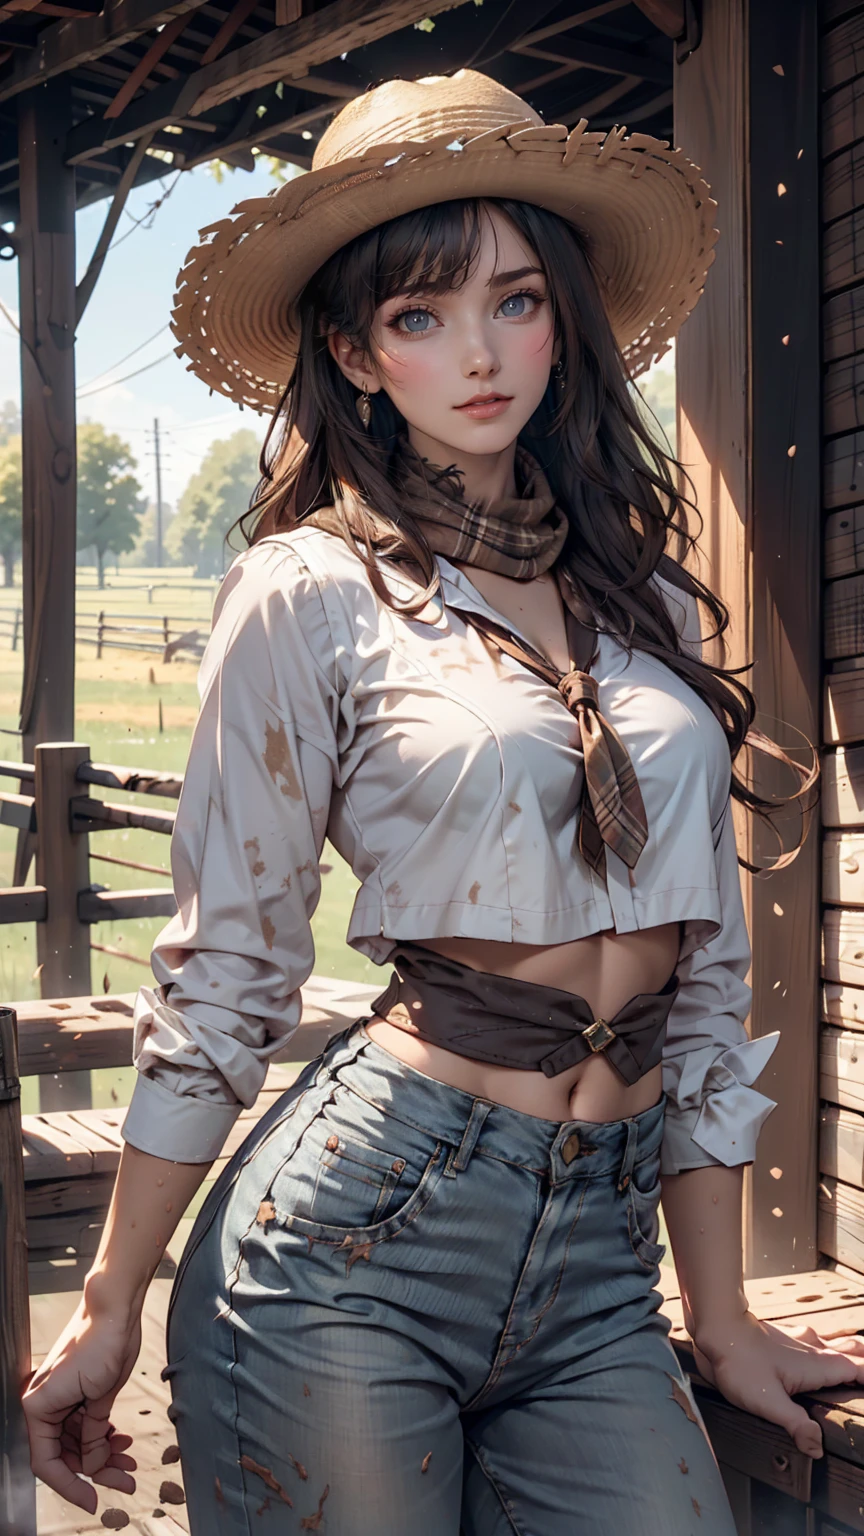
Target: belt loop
x=629 y=1157
x=458 y=1161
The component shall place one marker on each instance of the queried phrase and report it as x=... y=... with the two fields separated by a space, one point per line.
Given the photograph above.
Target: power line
x=121 y=360
x=83 y=395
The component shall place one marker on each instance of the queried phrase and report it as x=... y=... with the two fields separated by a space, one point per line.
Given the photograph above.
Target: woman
x=421 y=1296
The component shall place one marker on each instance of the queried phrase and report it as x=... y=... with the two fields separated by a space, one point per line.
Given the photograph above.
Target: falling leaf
x=171 y=1453
x=106 y=983
x=38 y=972
x=781 y=190
x=778 y=69
x=426 y=25
x=790 y=452
x=424 y=1465
x=115 y=1519
x=171 y=1493
x=682 y=1466
x=785 y=340
x=266 y=1212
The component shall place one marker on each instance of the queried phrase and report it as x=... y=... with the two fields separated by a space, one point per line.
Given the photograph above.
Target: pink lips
x=483 y=407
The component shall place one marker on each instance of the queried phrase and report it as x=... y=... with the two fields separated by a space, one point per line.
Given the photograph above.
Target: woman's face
x=466 y=369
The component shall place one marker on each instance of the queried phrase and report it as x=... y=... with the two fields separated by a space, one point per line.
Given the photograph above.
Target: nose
x=479 y=357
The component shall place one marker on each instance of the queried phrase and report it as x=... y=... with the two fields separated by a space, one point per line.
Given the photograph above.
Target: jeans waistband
x=569 y=1149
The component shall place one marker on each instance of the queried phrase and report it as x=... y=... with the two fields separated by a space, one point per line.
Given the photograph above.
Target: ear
x=353 y=362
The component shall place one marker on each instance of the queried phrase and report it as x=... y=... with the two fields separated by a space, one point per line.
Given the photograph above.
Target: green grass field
x=117 y=715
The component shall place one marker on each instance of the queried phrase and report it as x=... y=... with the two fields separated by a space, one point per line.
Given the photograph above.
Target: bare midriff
x=607 y=969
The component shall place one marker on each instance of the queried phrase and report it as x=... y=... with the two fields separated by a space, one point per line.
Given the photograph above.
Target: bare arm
x=757 y=1365
x=149 y=1198
x=702 y=1207
x=73 y=1391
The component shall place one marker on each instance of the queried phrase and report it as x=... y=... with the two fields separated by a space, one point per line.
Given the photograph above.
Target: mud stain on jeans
x=267 y=1478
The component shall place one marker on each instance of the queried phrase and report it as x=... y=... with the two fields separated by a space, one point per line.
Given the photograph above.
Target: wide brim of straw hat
x=643 y=207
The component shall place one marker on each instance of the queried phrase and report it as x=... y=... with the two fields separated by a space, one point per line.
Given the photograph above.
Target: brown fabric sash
x=520 y=1024
x=612 y=810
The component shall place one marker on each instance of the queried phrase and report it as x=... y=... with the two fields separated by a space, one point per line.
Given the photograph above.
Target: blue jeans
x=404 y=1311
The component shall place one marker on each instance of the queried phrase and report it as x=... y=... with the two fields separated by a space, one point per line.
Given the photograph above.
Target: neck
x=487 y=477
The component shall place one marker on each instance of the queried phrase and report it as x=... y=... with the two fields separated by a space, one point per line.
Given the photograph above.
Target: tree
x=10 y=421
x=214 y=498
x=145 y=551
x=657 y=391
x=10 y=506
x=109 y=497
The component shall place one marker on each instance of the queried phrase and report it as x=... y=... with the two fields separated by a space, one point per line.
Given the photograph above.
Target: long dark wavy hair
x=628 y=502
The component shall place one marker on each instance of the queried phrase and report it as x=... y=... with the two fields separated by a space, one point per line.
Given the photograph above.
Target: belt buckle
x=598 y=1035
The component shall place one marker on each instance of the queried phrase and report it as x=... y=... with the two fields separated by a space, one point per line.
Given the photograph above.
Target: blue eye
x=515 y=306
x=416 y=321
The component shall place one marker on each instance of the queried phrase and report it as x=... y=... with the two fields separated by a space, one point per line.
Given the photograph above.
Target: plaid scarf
x=519 y=536
x=522 y=536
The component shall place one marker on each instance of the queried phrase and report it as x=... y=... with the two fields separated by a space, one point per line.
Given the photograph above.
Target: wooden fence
x=164 y=636
x=65 y=798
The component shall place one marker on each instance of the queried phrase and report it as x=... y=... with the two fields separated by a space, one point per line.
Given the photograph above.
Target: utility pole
x=158 y=491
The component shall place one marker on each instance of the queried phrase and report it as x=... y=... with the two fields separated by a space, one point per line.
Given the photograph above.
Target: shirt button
x=570 y=1149
x=332 y=1143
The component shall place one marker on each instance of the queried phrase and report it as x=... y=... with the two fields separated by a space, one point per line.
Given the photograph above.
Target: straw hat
x=644 y=208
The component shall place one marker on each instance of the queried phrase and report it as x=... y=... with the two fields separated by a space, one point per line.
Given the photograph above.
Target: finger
x=798 y=1424
x=823 y=1367
x=114 y=1477
x=49 y=1466
x=128 y=1463
x=120 y=1442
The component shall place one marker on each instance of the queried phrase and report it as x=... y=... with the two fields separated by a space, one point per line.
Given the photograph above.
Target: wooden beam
x=88 y=282
x=605 y=57
x=145 y=66
x=232 y=23
x=73 y=43
x=743 y=122
x=23 y=904
x=46 y=278
x=114 y=906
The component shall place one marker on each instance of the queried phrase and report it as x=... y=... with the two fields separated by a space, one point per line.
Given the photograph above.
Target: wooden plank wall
x=841 y=1053
x=745 y=101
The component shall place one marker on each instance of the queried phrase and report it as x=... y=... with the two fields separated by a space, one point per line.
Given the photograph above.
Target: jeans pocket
x=643 y=1211
x=348 y=1181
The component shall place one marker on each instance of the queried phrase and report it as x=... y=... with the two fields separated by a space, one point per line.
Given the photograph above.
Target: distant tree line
x=115 y=520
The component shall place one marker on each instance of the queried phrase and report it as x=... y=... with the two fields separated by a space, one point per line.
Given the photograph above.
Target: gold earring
x=364 y=408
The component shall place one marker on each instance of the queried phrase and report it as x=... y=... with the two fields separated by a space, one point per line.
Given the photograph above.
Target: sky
x=131 y=305
x=130 y=309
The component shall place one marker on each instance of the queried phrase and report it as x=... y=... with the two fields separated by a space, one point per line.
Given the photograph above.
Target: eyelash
x=425 y=309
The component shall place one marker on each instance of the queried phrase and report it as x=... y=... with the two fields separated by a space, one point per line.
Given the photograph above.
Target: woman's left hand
x=758 y=1365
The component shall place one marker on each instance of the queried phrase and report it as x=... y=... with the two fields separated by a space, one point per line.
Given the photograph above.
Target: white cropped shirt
x=449 y=779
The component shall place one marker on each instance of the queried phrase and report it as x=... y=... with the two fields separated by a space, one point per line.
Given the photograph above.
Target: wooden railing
x=164 y=635
x=55 y=802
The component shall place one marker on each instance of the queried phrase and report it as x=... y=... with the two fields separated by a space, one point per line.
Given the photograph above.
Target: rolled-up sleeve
x=245 y=852
x=713 y=1112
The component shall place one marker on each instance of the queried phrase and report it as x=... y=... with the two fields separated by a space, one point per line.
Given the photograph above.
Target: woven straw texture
x=646 y=212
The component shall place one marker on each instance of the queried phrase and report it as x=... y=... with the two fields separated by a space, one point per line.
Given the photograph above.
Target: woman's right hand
x=68 y=1406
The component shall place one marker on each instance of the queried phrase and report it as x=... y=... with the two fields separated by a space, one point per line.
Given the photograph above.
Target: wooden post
x=63 y=867
x=17 y=1486
x=100 y=635
x=745 y=103
x=15 y=628
x=46 y=268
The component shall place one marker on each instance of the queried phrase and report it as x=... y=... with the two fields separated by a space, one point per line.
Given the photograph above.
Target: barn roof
x=161 y=86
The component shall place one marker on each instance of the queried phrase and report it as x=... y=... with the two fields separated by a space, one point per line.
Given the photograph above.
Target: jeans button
x=570 y=1148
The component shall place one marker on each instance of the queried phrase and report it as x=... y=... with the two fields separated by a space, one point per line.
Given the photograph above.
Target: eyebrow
x=501 y=279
